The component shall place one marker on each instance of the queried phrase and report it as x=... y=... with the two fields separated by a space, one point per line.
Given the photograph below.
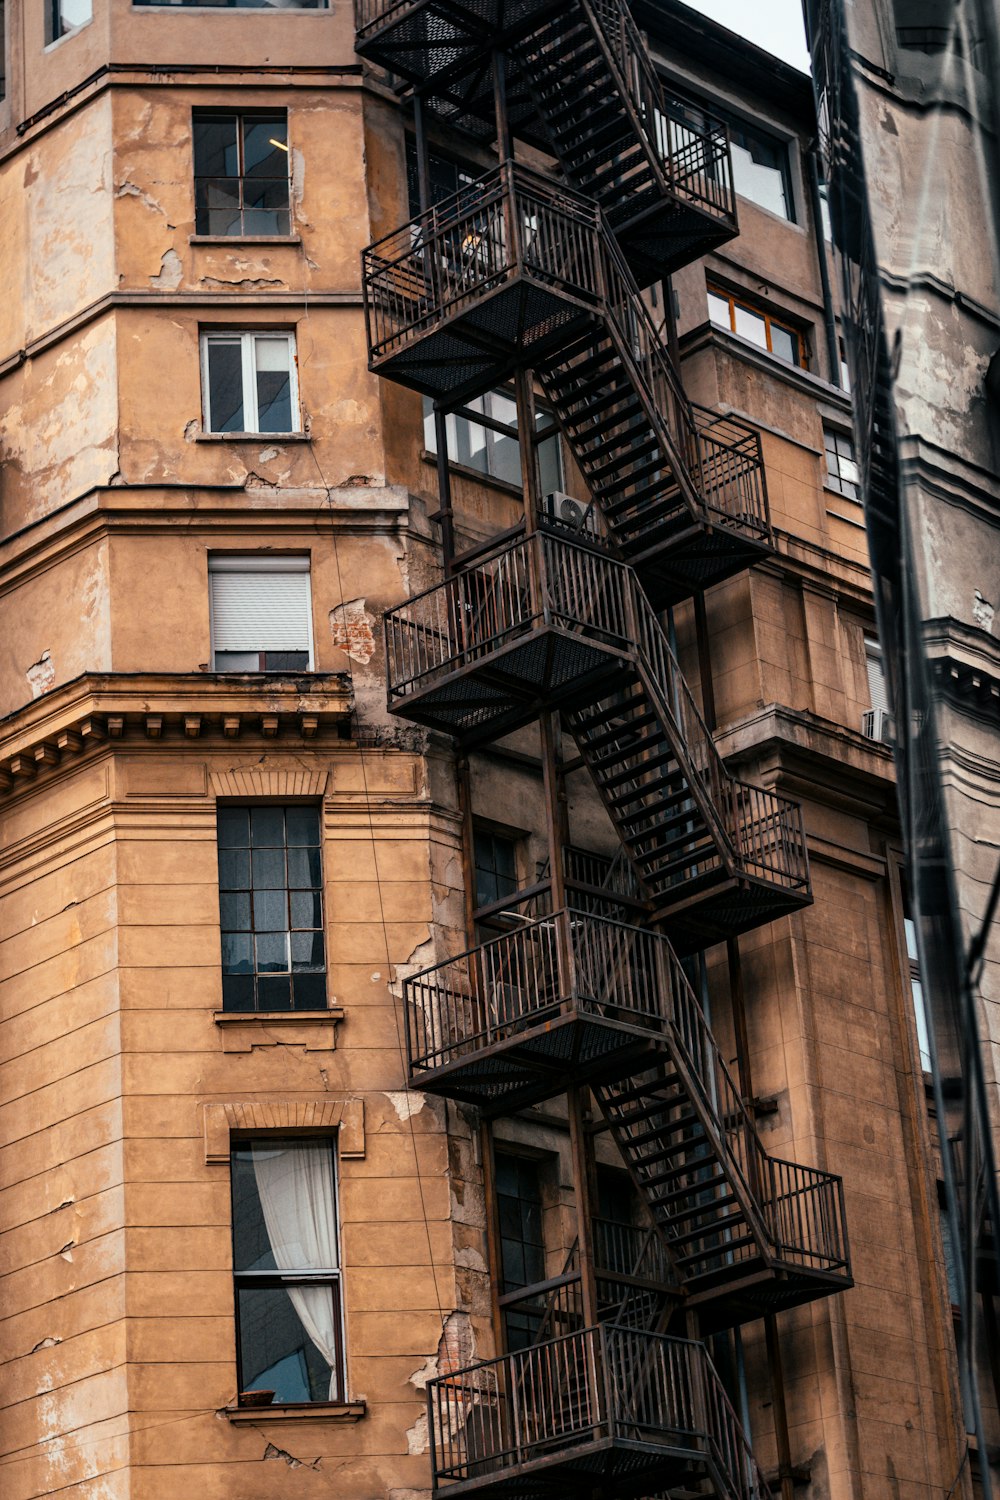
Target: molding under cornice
x=146 y=708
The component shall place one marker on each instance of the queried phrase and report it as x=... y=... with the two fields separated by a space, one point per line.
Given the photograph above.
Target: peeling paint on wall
x=170 y=273
x=982 y=611
x=352 y=629
x=41 y=675
x=405 y=1104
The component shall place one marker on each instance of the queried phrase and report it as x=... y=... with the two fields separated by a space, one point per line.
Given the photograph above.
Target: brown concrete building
x=530 y=1023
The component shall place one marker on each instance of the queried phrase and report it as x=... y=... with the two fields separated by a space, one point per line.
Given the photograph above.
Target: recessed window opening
x=760 y=168
x=271 y=908
x=841 y=466
x=241 y=173
x=496 y=866
x=260 y=613
x=63 y=17
x=755 y=323
x=497 y=453
x=249 y=382
x=287 y=1272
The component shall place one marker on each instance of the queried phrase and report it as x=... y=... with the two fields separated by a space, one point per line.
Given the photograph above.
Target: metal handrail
x=590 y=1385
x=544 y=580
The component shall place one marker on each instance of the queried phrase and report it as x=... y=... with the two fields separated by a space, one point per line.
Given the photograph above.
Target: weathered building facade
x=908 y=119
x=481 y=1093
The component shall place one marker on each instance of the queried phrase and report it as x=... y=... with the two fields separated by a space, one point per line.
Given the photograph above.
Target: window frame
x=239 y=115
x=321 y=6
x=271 y=1279
x=251 y=562
x=737 y=125
x=834 y=481
x=739 y=299
x=495 y=429
x=55 y=32
x=255 y=975
x=247 y=337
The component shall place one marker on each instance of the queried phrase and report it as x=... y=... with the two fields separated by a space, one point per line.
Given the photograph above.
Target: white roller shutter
x=877 y=687
x=260 y=604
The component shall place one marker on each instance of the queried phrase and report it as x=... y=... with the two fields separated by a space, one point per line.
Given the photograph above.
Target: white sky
x=775 y=25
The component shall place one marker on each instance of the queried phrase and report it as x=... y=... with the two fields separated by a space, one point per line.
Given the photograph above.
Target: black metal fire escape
x=520 y=272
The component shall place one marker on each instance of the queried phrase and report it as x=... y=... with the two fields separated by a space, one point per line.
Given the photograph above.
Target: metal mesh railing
x=609 y=1382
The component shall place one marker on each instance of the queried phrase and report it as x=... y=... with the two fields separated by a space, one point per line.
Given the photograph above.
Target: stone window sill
x=275 y=439
x=244 y=239
x=312 y=1411
x=242 y=1030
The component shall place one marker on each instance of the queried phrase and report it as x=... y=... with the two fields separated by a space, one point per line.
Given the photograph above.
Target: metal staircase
x=519 y=271
x=511 y=270
x=548 y=622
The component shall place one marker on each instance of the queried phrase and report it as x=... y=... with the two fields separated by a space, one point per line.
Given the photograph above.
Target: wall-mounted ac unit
x=877 y=724
x=566 y=511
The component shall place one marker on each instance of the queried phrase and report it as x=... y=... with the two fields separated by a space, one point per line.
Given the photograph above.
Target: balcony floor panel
x=474 y=346
x=750 y=1293
x=620 y=1467
x=541 y=1059
x=509 y=687
x=696 y=922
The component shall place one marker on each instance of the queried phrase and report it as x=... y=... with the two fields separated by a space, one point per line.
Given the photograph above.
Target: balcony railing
x=571 y=989
x=510 y=240
x=607 y=1403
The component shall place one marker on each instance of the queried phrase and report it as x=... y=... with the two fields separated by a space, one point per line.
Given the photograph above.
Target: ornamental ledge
x=96 y=711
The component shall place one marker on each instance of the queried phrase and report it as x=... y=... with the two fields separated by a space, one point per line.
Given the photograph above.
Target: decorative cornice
x=152 y=707
x=346 y=1115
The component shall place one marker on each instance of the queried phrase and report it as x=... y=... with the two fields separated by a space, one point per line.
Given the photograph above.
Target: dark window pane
x=237 y=954
x=302 y=824
x=271 y=949
x=268 y=868
x=784 y=344
x=267 y=827
x=283 y=661
x=270 y=911
x=259 y=221
x=305 y=909
x=261 y=158
x=274 y=993
x=307 y=950
x=274 y=390
x=237 y=992
x=234 y=869
x=276 y=1352
x=251 y=1245
x=215 y=148
x=237 y=661
x=234 y=827
x=225 y=386
x=303 y=868
x=309 y=991
x=217 y=205
x=234 y=908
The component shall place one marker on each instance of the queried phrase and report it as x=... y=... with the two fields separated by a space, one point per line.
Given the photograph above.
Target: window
x=494 y=449
x=286 y=1266
x=760 y=168
x=877 y=722
x=261 y=614
x=249 y=382
x=241 y=173
x=496 y=866
x=916 y=986
x=841 y=465
x=522 y=1244
x=63 y=17
x=445 y=176
x=271 y=908
x=756 y=324
x=238 y=4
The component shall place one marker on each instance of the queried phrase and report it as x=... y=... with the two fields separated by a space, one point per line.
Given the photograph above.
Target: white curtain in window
x=295 y=1184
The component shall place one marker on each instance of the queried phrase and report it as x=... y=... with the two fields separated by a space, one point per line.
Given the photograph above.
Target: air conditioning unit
x=877 y=724
x=566 y=511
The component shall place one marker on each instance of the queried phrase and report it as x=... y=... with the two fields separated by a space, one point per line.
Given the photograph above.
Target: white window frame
x=247 y=338
x=249 y=562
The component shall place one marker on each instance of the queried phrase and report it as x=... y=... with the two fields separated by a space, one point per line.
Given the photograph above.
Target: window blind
x=877 y=687
x=257 y=609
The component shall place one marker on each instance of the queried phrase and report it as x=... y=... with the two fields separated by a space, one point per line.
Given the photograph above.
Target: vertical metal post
x=584 y=1205
x=505 y=141
x=445 y=515
x=494 y=1258
x=738 y=1001
x=423 y=155
x=780 y=1410
x=704 y=660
